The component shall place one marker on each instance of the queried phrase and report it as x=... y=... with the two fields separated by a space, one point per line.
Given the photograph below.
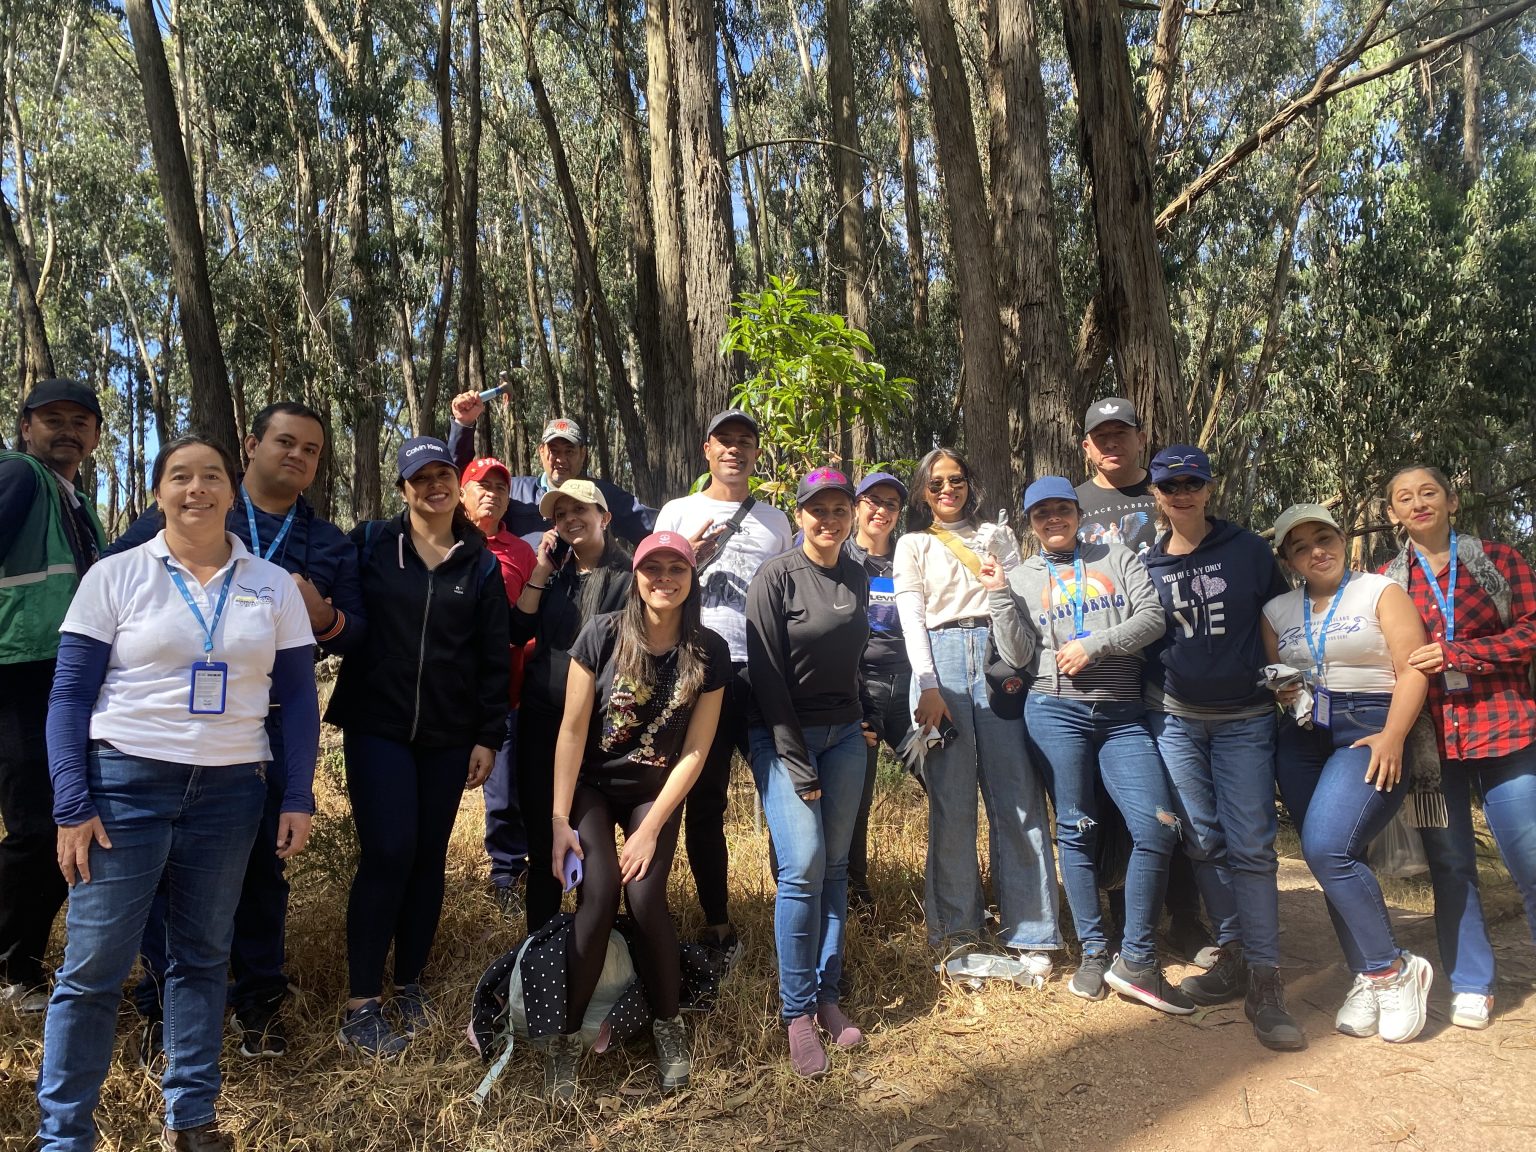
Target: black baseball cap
x=727 y=416
x=65 y=391
x=419 y=451
x=1111 y=408
x=823 y=480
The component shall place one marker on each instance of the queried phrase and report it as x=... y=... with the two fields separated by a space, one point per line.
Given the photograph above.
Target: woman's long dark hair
x=633 y=662
x=919 y=514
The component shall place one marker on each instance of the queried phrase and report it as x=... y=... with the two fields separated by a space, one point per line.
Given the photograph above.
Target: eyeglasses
x=891 y=506
x=939 y=483
x=1179 y=487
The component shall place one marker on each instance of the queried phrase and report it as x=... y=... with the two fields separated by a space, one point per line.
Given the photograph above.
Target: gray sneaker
x=1359 y=1015
x=561 y=1055
x=1088 y=980
x=674 y=1060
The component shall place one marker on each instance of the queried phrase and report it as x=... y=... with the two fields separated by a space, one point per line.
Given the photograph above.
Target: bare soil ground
x=944 y=1069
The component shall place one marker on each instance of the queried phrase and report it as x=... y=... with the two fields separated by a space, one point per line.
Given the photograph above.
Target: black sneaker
x=262 y=1036
x=1146 y=982
x=1264 y=1006
x=152 y=1044
x=1192 y=940
x=1088 y=980
x=509 y=900
x=724 y=951
x=1226 y=980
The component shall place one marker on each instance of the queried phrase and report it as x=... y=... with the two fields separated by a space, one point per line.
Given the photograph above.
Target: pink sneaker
x=806 y=1055
x=844 y=1032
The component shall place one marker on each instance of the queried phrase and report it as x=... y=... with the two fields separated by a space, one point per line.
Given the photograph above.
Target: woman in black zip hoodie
x=581 y=572
x=422 y=707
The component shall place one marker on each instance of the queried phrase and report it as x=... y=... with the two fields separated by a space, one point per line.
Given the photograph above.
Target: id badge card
x=1457 y=682
x=1322 y=707
x=210 y=681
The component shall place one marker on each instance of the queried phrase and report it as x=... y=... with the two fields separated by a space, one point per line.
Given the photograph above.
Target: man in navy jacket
x=276 y=523
x=563 y=453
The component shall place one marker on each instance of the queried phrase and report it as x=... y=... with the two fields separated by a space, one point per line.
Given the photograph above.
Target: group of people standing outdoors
x=597 y=665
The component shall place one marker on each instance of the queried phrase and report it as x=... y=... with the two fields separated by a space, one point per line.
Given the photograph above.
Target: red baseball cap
x=666 y=542
x=476 y=469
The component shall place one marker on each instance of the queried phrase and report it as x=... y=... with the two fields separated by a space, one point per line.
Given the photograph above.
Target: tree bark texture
x=1043 y=402
x=1132 y=288
x=709 y=247
x=848 y=177
x=981 y=340
x=911 y=193
x=37 y=357
x=212 y=406
x=471 y=336
x=367 y=403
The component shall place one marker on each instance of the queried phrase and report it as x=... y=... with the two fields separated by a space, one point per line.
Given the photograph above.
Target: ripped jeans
x=1072 y=740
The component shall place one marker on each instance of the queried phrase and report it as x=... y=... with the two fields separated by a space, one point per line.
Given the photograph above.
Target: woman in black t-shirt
x=642 y=700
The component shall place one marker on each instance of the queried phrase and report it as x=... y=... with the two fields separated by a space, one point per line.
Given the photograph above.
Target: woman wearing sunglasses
x=1214 y=724
x=946 y=623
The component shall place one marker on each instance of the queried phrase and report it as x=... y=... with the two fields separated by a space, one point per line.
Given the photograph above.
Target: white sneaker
x=1035 y=968
x=1403 y=999
x=1359 y=1015
x=1471 y=1010
x=24 y=998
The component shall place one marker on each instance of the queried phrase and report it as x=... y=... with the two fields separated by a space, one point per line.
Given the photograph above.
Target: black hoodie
x=1210 y=656
x=433 y=669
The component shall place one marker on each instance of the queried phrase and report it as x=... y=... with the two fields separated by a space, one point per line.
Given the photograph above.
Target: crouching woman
x=641 y=703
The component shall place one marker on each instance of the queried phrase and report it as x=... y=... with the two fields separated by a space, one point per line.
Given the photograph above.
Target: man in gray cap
x=49 y=536
x=563 y=453
x=1117 y=502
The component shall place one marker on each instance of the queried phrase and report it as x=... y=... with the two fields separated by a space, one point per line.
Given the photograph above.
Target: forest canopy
x=1301 y=233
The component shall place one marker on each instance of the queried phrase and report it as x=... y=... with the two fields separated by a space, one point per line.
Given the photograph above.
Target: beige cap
x=584 y=490
x=1302 y=514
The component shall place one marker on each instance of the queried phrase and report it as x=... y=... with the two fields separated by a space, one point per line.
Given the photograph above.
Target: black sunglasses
x=940 y=483
x=1175 y=487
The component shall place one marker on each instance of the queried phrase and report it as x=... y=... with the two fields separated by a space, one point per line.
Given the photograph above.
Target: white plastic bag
x=1399 y=850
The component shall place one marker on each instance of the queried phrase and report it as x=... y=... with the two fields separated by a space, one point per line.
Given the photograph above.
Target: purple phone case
x=571 y=869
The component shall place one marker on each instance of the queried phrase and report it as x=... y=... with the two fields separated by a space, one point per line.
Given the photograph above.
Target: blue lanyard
x=1078 y=600
x=1446 y=600
x=208 y=629
x=1320 y=645
x=250 y=516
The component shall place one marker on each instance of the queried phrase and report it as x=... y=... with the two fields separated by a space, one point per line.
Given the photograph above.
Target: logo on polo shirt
x=249 y=596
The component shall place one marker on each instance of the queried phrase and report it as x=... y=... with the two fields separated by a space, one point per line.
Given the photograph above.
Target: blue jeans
x=1322 y=781
x=195 y=826
x=506 y=842
x=811 y=839
x=1508 y=788
x=1223 y=774
x=987 y=752
x=1077 y=741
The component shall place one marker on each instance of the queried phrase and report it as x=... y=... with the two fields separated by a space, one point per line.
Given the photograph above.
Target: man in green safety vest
x=49 y=536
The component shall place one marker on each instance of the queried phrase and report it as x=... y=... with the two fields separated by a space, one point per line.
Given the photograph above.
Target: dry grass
x=926 y=1038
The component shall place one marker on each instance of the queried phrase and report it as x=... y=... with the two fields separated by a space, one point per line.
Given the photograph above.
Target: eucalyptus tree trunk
x=37 y=358
x=911 y=197
x=970 y=244
x=848 y=173
x=471 y=335
x=213 y=410
x=368 y=417
x=710 y=250
x=1133 y=292
x=1043 y=404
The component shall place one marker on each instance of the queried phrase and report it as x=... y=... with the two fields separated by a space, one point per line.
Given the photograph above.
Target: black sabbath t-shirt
x=637 y=730
x=1119 y=515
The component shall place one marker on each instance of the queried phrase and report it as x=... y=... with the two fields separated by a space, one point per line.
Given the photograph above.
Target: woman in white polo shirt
x=171 y=655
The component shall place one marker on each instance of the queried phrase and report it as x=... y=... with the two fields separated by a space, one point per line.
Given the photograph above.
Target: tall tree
x=212 y=406
x=848 y=173
x=970 y=244
x=36 y=356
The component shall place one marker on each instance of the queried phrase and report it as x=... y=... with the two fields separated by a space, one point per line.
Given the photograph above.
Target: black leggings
x=537 y=733
x=704 y=811
x=593 y=815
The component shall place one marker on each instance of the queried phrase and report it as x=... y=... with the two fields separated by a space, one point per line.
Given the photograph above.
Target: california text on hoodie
x=1207 y=662
x=1032 y=618
x=433 y=668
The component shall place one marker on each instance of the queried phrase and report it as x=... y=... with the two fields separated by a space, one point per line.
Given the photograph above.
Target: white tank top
x=1355 y=652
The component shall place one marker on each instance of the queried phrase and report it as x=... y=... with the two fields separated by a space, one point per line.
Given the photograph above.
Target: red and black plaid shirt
x=1496 y=715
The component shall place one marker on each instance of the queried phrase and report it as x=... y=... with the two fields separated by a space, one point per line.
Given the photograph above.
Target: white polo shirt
x=131 y=602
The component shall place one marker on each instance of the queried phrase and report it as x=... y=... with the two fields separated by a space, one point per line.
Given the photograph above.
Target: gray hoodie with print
x=1032 y=618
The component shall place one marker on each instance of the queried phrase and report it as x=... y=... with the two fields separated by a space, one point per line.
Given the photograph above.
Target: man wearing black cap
x=1117 y=502
x=563 y=453
x=49 y=536
x=732 y=535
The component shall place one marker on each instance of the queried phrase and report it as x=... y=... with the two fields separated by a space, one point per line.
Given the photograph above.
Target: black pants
x=32 y=890
x=537 y=733
x=656 y=958
x=404 y=802
x=704 y=812
x=893 y=716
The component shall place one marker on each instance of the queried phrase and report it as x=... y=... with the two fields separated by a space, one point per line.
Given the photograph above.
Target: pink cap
x=666 y=542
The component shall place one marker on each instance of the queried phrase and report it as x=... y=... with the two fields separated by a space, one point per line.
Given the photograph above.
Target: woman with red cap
x=641 y=703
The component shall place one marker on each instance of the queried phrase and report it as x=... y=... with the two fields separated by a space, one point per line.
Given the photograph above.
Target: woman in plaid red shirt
x=1478 y=602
